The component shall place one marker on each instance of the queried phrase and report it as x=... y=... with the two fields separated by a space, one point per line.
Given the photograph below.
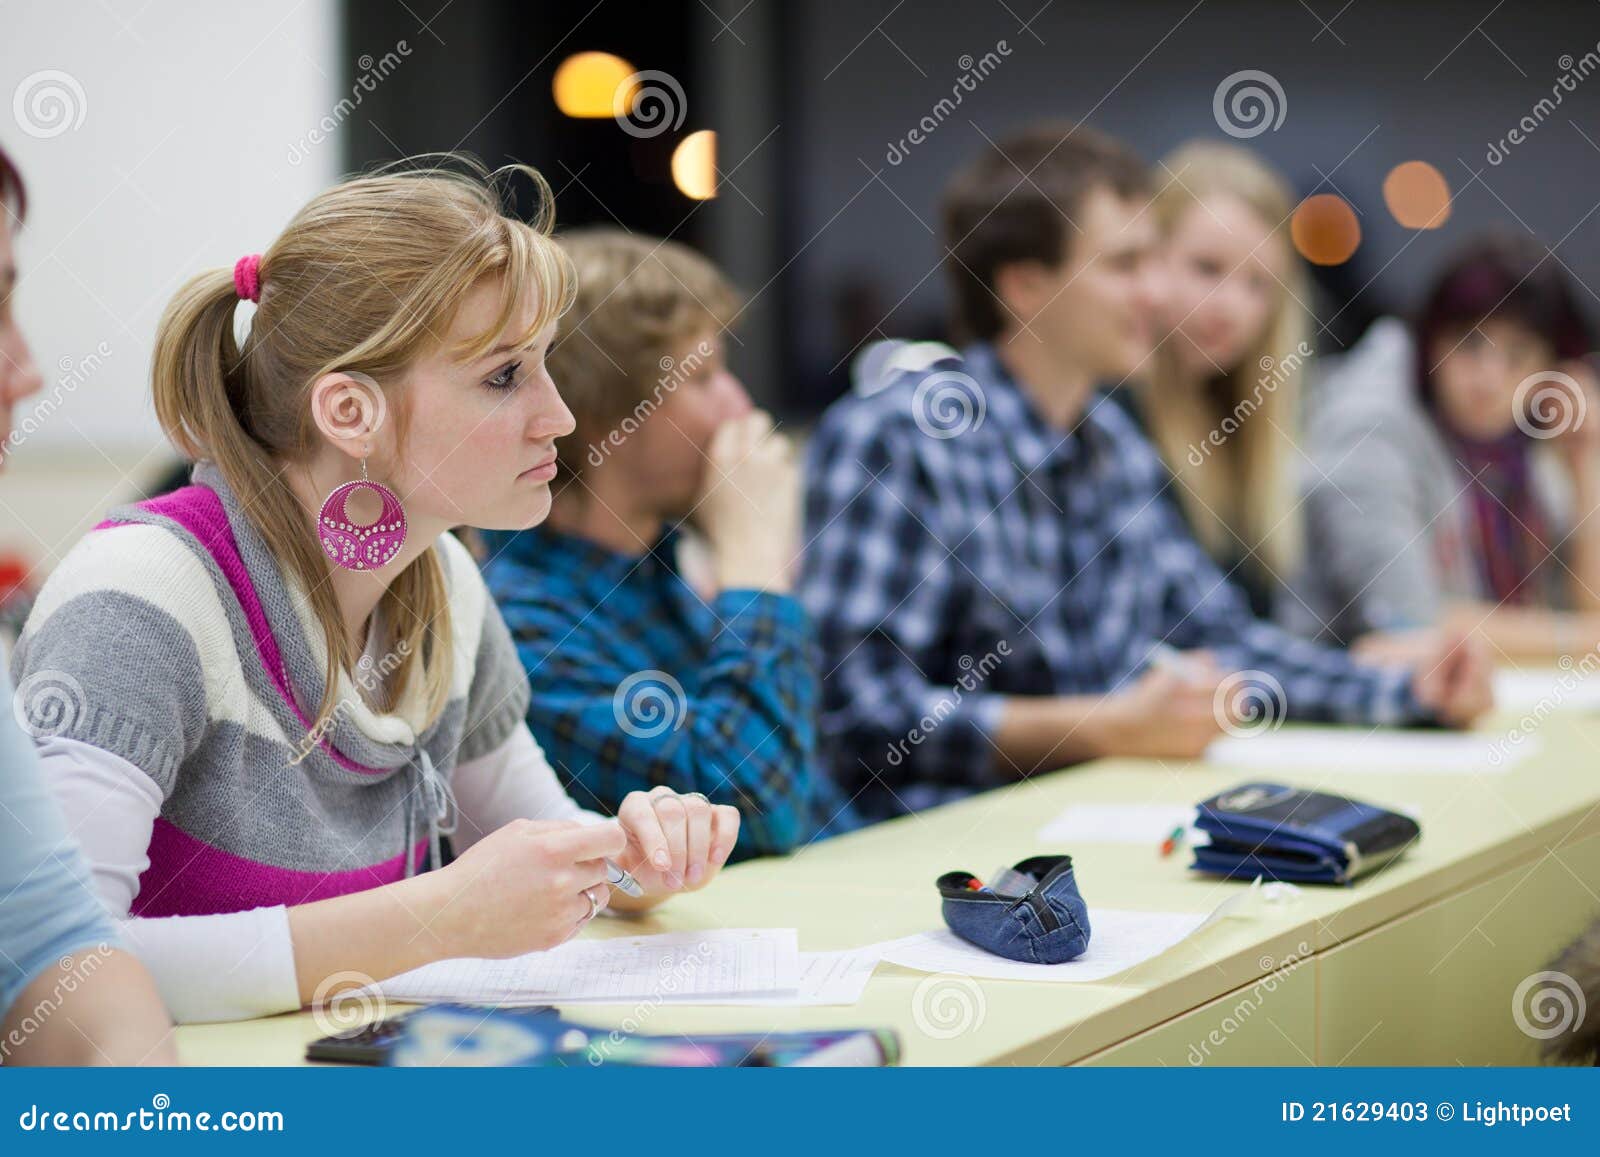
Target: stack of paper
x=825 y=978
x=1544 y=689
x=1117 y=823
x=674 y=967
x=1118 y=940
x=1351 y=749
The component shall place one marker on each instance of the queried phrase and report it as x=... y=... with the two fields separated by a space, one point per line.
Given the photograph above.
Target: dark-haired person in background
x=991 y=567
x=68 y=993
x=1457 y=467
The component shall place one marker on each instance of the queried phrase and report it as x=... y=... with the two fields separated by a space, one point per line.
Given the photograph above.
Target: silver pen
x=622 y=881
x=1174 y=660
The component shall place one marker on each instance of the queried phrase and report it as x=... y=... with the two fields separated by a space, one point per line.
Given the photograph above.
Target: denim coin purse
x=1031 y=912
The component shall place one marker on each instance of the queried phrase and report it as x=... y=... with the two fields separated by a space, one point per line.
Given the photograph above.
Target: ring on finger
x=594 y=905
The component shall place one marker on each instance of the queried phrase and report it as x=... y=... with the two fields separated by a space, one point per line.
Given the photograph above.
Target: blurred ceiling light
x=694 y=165
x=591 y=84
x=1325 y=230
x=1417 y=195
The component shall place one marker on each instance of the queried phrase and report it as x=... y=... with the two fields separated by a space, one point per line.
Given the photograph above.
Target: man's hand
x=1454 y=679
x=749 y=509
x=1170 y=711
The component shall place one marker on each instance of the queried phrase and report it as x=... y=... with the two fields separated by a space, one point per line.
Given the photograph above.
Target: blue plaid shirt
x=961 y=550
x=638 y=682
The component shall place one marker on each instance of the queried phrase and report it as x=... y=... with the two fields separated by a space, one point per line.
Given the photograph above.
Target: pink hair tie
x=247 y=277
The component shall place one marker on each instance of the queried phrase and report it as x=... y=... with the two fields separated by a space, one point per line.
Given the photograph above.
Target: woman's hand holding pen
x=525 y=887
x=675 y=842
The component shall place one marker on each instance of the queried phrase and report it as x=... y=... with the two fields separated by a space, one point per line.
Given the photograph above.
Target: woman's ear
x=349 y=409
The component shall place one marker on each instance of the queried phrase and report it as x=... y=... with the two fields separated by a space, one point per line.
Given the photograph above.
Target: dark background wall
x=834 y=243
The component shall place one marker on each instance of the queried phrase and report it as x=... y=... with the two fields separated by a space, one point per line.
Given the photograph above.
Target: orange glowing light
x=593 y=84
x=1418 y=195
x=694 y=165
x=1325 y=230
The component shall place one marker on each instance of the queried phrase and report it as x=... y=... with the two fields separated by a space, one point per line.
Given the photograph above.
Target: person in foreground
x=70 y=994
x=294 y=683
x=638 y=678
x=998 y=585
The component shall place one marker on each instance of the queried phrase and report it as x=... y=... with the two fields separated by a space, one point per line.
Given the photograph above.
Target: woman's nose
x=551 y=418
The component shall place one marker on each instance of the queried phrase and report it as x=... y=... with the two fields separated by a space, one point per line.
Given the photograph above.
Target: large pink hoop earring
x=355 y=547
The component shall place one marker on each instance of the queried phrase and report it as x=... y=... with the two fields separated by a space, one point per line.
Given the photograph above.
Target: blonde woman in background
x=1222 y=389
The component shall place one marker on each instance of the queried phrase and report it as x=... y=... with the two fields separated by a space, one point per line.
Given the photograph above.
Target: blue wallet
x=1307 y=837
x=1031 y=912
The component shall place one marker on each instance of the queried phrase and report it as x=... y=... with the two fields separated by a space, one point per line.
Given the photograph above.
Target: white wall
x=173 y=156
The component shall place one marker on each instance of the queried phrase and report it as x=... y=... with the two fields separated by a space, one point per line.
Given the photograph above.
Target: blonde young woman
x=1220 y=397
x=292 y=681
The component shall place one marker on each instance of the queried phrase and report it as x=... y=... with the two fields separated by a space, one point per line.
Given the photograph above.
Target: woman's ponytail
x=195 y=356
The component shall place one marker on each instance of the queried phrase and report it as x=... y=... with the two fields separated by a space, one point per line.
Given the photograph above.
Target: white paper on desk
x=1118 y=940
x=673 y=967
x=825 y=978
x=1545 y=689
x=1117 y=823
x=1350 y=749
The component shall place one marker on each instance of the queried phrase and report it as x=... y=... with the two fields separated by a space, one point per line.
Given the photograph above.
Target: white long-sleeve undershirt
x=236 y=965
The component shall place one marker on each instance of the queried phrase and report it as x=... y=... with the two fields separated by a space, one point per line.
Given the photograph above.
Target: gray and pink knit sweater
x=188 y=654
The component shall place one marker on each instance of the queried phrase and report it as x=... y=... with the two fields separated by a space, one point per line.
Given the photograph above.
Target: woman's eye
x=506 y=379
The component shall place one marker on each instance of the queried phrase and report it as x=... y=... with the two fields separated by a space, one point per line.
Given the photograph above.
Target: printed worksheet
x=672 y=967
x=1117 y=823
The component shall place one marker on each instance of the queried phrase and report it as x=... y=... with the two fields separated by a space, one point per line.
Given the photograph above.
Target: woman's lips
x=543 y=472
